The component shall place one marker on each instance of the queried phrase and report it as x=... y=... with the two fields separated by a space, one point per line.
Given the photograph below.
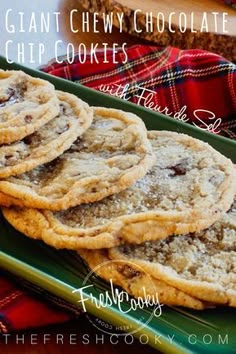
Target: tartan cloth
x=20 y=310
x=194 y=79
x=200 y=84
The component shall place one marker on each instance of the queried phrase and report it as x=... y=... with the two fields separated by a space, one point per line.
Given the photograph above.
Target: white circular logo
x=132 y=278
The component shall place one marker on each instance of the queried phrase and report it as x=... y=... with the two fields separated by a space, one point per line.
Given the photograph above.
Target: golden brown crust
x=52 y=232
x=135 y=215
x=200 y=264
x=134 y=281
x=112 y=154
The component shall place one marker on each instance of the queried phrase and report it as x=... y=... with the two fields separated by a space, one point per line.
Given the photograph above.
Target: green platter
x=61 y=272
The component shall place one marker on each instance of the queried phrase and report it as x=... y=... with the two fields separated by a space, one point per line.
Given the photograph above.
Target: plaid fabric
x=179 y=81
x=20 y=310
x=192 y=85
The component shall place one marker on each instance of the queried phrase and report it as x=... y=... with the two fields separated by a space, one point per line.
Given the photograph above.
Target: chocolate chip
x=220 y=234
x=50 y=166
x=15 y=95
x=193 y=269
x=76 y=146
x=180 y=168
x=232 y=208
x=28 y=118
x=34 y=139
x=62 y=108
x=12 y=97
x=12 y=94
x=8 y=160
x=28 y=139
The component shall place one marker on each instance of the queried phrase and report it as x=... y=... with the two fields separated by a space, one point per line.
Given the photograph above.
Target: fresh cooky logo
x=113 y=296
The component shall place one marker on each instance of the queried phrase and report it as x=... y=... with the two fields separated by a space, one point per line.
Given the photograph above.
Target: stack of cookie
x=95 y=181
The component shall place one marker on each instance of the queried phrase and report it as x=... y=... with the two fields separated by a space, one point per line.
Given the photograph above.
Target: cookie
x=137 y=282
x=186 y=190
x=26 y=103
x=202 y=265
x=111 y=155
x=50 y=141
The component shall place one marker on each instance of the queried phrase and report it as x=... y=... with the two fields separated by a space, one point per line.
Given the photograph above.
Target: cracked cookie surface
x=136 y=282
x=172 y=198
x=26 y=104
x=202 y=264
x=111 y=155
x=50 y=141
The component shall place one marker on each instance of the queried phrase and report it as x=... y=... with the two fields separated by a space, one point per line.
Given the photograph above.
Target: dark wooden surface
x=218 y=34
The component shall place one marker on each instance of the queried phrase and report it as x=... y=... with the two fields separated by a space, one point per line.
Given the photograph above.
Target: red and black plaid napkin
x=193 y=85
